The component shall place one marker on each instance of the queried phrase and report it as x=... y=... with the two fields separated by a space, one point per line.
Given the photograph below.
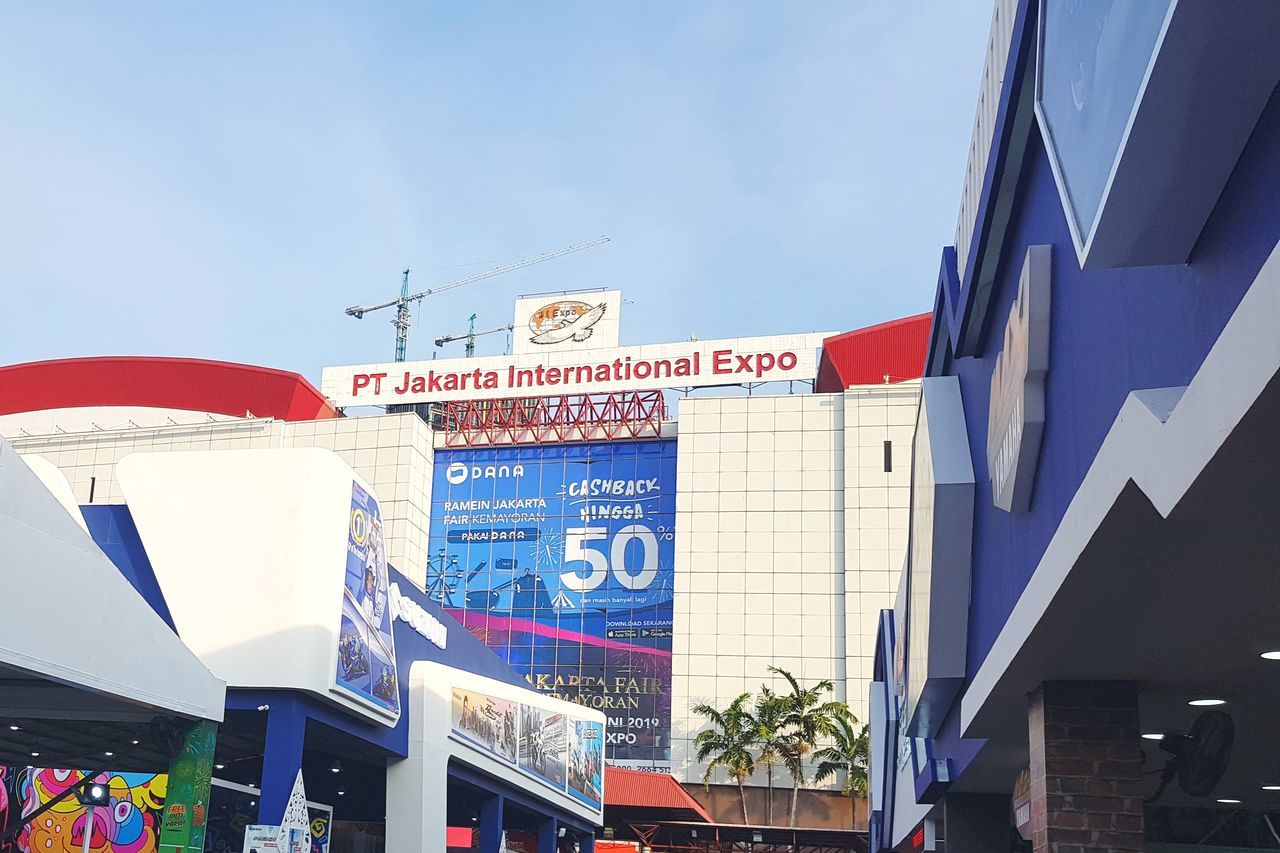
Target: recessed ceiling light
x=134 y=742
x=219 y=766
x=1206 y=701
x=35 y=755
x=108 y=753
x=1271 y=787
x=1228 y=801
x=1153 y=735
x=15 y=728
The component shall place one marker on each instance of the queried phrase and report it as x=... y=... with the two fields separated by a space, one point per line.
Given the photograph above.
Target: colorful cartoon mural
x=130 y=825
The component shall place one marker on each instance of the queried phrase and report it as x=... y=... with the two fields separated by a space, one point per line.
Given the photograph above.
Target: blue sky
x=221 y=180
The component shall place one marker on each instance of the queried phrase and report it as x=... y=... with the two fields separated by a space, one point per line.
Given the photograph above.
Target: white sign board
x=690 y=364
x=560 y=322
x=261 y=838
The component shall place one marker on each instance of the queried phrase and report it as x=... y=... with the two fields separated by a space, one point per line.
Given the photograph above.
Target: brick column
x=1086 y=767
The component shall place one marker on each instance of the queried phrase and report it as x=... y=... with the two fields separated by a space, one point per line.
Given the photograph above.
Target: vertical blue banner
x=366 y=649
x=560 y=558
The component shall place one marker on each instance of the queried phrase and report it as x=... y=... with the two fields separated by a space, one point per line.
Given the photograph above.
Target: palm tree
x=728 y=744
x=808 y=717
x=848 y=755
x=771 y=738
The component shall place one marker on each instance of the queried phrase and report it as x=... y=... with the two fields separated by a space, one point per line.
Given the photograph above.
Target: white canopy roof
x=70 y=619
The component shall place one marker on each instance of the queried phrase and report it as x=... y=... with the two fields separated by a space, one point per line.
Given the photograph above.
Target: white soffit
x=46 y=558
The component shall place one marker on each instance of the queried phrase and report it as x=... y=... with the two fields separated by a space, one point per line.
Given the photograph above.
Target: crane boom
x=402 y=319
x=471 y=334
x=448 y=339
x=358 y=311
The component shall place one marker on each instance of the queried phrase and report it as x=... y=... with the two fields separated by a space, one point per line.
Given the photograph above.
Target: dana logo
x=457 y=473
x=557 y=322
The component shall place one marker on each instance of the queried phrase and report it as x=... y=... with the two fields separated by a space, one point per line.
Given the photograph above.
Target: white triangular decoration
x=296 y=818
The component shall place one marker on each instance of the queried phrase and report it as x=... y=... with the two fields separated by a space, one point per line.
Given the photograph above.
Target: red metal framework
x=550 y=420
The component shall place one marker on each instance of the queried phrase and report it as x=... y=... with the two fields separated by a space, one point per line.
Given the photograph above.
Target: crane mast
x=401 y=322
x=403 y=302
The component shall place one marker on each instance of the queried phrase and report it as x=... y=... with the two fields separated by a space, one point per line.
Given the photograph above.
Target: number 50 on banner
x=578 y=547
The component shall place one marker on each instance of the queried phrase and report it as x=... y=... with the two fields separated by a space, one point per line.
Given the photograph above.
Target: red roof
x=639 y=789
x=191 y=384
x=864 y=356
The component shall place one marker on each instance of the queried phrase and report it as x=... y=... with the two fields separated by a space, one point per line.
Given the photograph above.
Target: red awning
x=895 y=349
x=191 y=384
x=639 y=789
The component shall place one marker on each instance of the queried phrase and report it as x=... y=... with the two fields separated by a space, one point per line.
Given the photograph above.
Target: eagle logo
x=557 y=322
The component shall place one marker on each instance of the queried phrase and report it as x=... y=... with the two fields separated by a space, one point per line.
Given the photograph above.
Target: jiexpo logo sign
x=458 y=473
x=1015 y=422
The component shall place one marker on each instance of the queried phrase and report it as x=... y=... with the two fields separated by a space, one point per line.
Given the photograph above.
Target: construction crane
x=402 y=303
x=471 y=334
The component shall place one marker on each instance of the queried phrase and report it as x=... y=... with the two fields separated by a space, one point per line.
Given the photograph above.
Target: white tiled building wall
x=789 y=538
x=789 y=532
x=392 y=452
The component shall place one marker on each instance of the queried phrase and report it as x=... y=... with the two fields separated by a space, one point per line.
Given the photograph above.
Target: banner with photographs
x=543 y=739
x=486 y=721
x=366 y=651
x=586 y=761
x=553 y=747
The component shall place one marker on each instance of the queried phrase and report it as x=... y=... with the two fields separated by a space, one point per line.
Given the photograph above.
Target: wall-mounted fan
x=1198 y=758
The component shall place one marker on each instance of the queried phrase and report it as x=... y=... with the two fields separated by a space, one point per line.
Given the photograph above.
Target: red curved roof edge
x=191 y=384
x=865 y=356
x=625 y=787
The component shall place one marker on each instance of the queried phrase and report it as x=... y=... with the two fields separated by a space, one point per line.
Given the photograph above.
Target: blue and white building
x=1092 y=552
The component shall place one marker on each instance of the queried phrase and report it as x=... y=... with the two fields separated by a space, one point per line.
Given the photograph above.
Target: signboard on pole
x=555 y=322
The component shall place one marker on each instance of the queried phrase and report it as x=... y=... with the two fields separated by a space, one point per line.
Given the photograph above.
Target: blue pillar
x=491 y=825
x=281 y=758
x=548 y=835
x=587 y=842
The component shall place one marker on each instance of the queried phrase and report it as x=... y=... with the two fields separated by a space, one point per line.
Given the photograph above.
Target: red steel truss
x=549 y=420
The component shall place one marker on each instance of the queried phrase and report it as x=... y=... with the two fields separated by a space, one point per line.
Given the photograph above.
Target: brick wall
x=1086 y=767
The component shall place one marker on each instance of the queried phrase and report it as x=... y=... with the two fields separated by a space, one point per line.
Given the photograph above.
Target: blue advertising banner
x=366 y=649
x=586 y=762
x=560 y=558
x=543 y=738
